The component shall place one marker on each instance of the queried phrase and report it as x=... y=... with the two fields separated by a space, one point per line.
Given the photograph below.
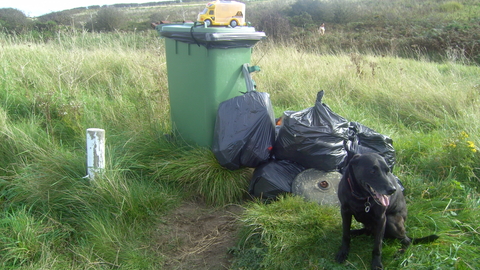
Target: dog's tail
x=424 y=240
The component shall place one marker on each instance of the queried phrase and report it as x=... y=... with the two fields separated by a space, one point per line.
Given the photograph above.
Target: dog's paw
x=341 y=256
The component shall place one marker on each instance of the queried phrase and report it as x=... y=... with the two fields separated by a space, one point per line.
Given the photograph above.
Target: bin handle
x=248 y=78
x=191 y=34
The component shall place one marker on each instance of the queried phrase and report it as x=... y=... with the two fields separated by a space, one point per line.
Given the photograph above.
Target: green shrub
x=107 y=19
x=451 y=6
x=269 y=18
x=13 y=20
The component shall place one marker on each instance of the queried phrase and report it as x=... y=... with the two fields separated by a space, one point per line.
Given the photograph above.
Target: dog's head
x=372 y=174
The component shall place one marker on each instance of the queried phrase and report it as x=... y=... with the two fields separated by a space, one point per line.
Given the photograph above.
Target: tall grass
x=51 y=92
x=415 y=94
x=54 y=218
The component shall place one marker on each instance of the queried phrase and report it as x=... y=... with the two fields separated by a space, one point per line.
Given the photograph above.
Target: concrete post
x=95 y=151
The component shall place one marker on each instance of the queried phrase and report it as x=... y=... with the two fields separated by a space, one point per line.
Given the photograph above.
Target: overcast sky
x=34 y=8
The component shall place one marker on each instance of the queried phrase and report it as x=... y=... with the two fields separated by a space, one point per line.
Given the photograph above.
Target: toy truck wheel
x=208 y=22
x=233 y=23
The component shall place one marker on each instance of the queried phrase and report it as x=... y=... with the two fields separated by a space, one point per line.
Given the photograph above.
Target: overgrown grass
x=54 y=218
x=198 y=172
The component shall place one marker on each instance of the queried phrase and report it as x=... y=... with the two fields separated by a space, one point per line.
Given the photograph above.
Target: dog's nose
x=391 y=190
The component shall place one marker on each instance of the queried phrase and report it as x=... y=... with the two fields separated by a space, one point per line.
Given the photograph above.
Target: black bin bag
x=244 y=129
x=314 y=137
x=366 y=140
x=273 y=178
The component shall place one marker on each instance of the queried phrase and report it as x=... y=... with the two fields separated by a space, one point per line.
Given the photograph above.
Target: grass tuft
x=197 y=171
x=301 y=233
x=451 y=6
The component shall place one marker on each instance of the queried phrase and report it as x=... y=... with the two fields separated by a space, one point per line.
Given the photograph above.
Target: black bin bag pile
x=315 y=137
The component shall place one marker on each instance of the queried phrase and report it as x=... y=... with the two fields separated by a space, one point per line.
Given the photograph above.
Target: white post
x=95 y=151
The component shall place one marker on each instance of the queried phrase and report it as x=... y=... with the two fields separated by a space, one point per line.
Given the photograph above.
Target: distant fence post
x=95 y=151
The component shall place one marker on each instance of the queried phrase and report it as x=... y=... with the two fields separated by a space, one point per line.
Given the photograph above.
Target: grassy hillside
x=438 y=29
x=54 y=218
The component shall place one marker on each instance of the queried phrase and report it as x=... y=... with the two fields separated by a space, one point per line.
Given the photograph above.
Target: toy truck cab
x=218 y=13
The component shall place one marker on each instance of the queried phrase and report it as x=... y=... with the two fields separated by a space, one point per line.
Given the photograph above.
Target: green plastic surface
x=199 y=79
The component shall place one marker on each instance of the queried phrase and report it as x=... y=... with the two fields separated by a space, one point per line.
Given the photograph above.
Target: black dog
x=370 y=192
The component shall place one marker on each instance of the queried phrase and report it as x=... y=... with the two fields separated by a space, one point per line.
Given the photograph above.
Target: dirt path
x=195 y=236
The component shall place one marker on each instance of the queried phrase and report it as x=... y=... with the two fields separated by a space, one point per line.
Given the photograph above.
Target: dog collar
x=367 y=203
x=353 y=191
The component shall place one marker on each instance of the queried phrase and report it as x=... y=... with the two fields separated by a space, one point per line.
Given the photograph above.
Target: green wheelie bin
x=204 y=66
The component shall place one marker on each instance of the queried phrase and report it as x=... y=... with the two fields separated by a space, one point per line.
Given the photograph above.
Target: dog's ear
x=352 y=164
x=354 y=160
x=355 y=157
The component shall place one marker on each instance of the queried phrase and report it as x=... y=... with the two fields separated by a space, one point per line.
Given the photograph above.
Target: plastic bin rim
x=197 y=29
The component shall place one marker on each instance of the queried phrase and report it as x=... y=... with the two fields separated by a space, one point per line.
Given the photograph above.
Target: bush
x=343 y=11
x=315 y=9
x=62 y=17
x=13 y=20
x=271 y=20
x=450 y=6
x=107 y=19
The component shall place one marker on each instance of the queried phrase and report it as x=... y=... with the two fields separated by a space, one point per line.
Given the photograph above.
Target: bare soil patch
x=196 y=236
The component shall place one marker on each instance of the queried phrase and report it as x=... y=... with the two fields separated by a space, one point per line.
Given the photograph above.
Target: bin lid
x=212 y=37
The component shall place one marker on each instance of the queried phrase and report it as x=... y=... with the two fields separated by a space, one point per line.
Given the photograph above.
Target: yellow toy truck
x=218 y=13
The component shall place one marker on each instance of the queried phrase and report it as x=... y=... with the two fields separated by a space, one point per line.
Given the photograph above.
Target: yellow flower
x=464 y=134
x=470 y=144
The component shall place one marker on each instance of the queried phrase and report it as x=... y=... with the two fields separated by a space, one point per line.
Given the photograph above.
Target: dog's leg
x=395 y=228
x=377 y=246
x=346 y=223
